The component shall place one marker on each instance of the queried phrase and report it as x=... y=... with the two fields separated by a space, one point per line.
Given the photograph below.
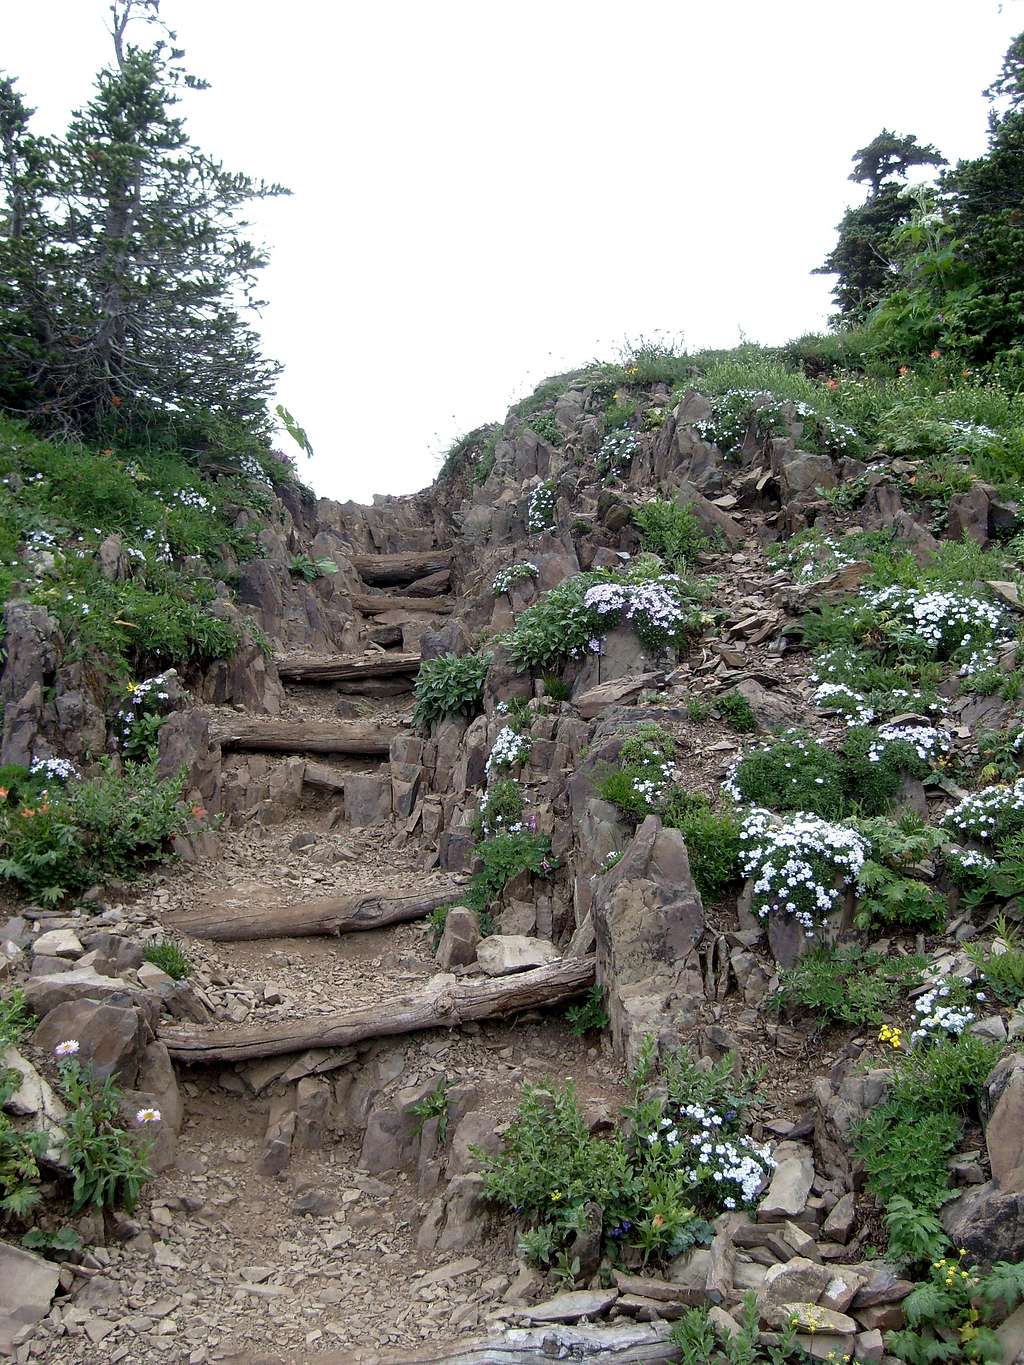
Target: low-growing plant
x=108 y=1163
x=556 y=688
x=168 y=956
x=886 y=898
x=590 y=1015
x=712 y=839
x=434 y=1105
x=504 y=856
x=697 y=710
x=302 y=566
x=737 y=712
x=501 y=810
x=848 y=985
x=671 y=531
x=1001 y=963
x=701 y=1343
x=450 y=685
x=546 y=427
x=20 y=1151
x=955 y=1308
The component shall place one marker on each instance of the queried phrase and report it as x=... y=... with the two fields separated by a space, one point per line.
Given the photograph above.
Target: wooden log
x=345 y=668
x=444 y=1002
x=385 y=570
x=296 y=737
x=378 y=604
x=619 y=1343
x=376 y=687
x=333 y=915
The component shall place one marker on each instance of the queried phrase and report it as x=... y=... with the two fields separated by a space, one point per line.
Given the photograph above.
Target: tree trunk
x=344 y=668
x=444 y=1002
x=336 y=915
x=402 y=568
x=376 y=604
x=296 y=737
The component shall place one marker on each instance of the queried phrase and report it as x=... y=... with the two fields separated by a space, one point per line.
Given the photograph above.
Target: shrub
x=113 y=824
x=791 y=773
x=712 y=839
x=671 y=531
x=20 y=1152
x=504 y=856
x=848 y=985
x=800 y=865
x=451 y=685
x=590 y=1015
x=700 y=1342
x=546 y=427
x=311 y=569
x=1002 y=968
x=169 y=958
x=109 y=1164
x=737 y=712
x=501 y=810
x=955 y=1304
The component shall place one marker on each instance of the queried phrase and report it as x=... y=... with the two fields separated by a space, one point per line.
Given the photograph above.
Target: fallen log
x=333 y=915
x=296 y=737
x=402 y=568
x=644 y=1343
x=444 y=1002
x=345 y=668
x=376 y=605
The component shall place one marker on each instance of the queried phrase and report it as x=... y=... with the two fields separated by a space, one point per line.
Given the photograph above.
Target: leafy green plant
x=848 y=985
x=737 y=712
x=504 y=856
x=434 y=1106
x=697 y=710
x=310 y=569
x=671 y=531
x=712 y=838
x=61 y=1239
x=168 y=956
x=1002 y=962
x=555 y=688
x=883 y=896
x=589 y=1016
x=954 y=1310
x=450 y=685
x=501 y=809
x=109 y=1164
x=546 y=427
x=20 y=1152
x=700 y=1344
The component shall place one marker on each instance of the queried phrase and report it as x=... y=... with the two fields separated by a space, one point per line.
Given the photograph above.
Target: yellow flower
x=556 y=1195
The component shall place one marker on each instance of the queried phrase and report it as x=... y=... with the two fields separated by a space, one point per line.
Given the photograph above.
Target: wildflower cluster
x=540 y=513
x=892 y=1036
x=139 y=719
x=54 y=769
x=988 y=814
x=728 y=1171
x=505 y=579
x=732 y=414
x=944 y=1010
x=502 y=811
x=927 y=742
x=830 y=696
x=800 y=865
x=653 y=608
x=251 y=468
x=509 y=749
x=616 y=453
x=189 y=497
x=948 y=625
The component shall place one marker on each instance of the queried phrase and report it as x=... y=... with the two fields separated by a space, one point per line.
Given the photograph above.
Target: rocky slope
x=311 y=1202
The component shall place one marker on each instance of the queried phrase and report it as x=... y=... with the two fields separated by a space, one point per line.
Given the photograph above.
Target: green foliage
x=113 y=824
x=546 y=427
x=555 y=688
x=19 y=1152
x=310 y=569
x=294 y=429
x=906 y=1154
x=169 y=958
x=109 y=1164
x=434 y=1106
x=450 y=685
x=794 y=773
x=712 y=838
x=63 y=1239
x=955 y=1309
x=503 y=857
x=848 y=985
x=697 y=710
x=883 y=896
x=1002 y=966
x=590 y=1015
x=501 y=809
x=737 y=712
x=671 y=531
x=701 y=1344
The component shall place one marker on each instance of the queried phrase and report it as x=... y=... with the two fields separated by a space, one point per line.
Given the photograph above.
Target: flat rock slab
x=618 y=692
x=791 y=1183
x=27 y=1286
x=501 y=954
x=573 y=1305
x=45 y=993
x=58 y=943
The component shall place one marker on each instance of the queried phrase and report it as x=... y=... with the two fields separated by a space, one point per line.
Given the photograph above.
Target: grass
x=848 y=985
x=169 y=958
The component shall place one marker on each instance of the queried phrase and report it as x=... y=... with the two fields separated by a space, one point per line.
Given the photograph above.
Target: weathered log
x=643 y=1343
x=378 y=605
x=344 y=668
x=444 y=1002
x=333 y=915
x=376 y=687
x=297 y=737
x=402 y=568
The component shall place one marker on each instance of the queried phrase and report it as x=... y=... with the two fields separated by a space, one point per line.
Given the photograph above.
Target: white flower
x=147 y=1116
x=66 y=1049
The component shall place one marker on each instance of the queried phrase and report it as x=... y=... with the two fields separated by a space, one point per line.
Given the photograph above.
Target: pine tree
x=135 y=291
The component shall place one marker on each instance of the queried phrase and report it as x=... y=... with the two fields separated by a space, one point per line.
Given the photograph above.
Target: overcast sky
x=490 y=191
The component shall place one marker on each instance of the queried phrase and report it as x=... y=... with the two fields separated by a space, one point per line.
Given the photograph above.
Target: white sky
x=490 y=191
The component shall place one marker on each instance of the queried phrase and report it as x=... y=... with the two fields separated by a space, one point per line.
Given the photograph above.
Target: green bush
x=20 y=1152
x=737 y=712
x=168 y=956
x=1003 y=971
x=700 y=1343
x=109 y=1164
x=501 y=809
x=793 y=773
x=114 y=824
x=451 y=685
x=503 y=857
x=957 y=1304
x=848 y=985
x=590 y=1016
x=712 y=839
x=671 y=531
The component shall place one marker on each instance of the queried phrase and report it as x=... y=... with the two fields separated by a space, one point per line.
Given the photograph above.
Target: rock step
x=299 y=737
x=386 y=570
x=347 y=667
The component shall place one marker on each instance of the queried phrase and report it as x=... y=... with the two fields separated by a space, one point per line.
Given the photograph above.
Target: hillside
x=693 y=687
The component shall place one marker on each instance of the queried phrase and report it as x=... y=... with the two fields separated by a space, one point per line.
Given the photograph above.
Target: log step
x=385 y=570
x=298 y=737
x=236 y=920
x=377 y=604
x=347 y=667
x=444 y=1002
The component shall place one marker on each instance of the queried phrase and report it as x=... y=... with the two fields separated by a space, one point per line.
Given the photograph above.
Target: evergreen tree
x=134 y=290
